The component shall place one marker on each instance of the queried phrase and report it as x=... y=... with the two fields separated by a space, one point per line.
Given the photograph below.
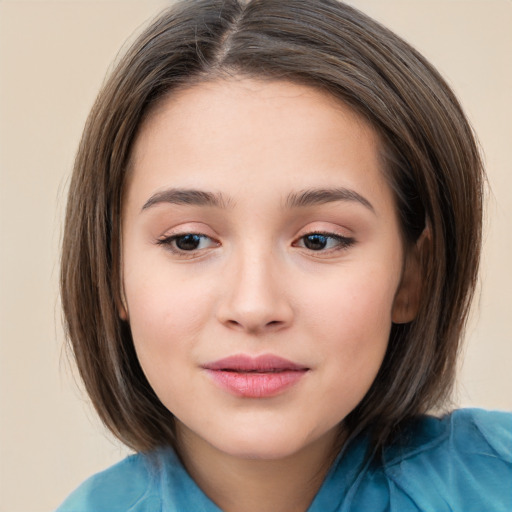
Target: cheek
x=351 y=317
x=358 y=302
x=351 y=336
x=166 y=323
x=166 y=315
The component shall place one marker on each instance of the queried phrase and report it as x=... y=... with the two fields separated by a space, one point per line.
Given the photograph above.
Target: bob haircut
x=429 y=156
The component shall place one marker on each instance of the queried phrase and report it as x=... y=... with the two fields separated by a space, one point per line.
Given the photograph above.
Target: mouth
x=255 y=377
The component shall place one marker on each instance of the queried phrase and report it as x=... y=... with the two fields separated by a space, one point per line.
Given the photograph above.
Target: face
x=263 y=263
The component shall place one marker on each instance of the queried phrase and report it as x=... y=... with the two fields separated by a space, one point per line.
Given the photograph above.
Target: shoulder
x=464 y=430
x=150 y=482
x=486 y=428
x=127 y=486
x=462 y=461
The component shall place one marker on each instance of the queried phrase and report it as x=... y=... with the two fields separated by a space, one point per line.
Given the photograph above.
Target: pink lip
x=255 y=377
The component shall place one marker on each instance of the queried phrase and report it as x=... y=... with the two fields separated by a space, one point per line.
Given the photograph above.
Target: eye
x=187 y=242
x=324 y=242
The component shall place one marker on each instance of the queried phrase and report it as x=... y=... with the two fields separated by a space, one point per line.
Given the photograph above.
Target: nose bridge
x=256 y=299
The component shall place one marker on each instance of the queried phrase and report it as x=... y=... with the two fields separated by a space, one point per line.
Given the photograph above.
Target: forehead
x=249 y=105
x=242 y=135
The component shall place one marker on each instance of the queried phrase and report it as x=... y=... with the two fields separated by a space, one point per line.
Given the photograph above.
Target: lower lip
x=256 y=385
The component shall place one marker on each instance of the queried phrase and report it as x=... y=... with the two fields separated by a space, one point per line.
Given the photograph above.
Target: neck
x=239 y=484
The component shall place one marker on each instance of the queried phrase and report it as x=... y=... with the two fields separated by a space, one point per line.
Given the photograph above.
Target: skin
x=253 y=286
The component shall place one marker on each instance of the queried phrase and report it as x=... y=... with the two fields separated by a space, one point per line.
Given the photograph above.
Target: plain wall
x=53 y=59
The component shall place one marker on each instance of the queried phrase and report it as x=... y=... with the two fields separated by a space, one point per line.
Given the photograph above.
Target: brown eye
x=188 y=242
x=315 y=242
x=324 y=242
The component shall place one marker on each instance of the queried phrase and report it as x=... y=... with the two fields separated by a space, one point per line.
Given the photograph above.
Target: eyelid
x=167 y=242
x=186 y=228
x=344 y=242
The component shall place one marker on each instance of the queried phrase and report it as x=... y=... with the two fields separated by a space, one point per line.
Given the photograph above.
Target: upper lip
x=247 y=363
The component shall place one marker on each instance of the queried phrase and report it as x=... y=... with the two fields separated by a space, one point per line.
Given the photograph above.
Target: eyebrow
x=301 y=199
x=318 y=196
x=189 y=197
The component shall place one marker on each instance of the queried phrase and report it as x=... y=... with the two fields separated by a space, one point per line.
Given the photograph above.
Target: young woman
x=271 y=245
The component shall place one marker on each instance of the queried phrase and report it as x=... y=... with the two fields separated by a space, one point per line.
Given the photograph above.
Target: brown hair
x=431 y=160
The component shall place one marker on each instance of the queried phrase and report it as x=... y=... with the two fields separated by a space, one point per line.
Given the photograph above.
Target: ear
x=408 y=295
x=120 y=299
x=121 y=305
x=122 y=308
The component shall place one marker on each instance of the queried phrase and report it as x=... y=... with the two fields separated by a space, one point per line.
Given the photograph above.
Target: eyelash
x=342 y=243
x=169 y=242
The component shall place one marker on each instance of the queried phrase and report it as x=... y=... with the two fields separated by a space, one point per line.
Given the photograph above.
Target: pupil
x=188 y=242
x=315 y=242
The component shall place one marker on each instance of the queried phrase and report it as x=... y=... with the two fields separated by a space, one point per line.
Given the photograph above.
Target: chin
x=263 y=443
x=263 y=451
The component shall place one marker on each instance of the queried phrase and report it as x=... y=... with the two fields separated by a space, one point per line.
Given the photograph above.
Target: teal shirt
x=459 y=463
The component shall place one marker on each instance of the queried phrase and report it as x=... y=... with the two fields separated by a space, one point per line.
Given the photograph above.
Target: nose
x=256 y=299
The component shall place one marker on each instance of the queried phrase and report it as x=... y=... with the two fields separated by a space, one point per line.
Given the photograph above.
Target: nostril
x=273 y=324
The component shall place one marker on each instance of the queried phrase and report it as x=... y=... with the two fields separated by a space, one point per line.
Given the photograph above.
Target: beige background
x=53 y=58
